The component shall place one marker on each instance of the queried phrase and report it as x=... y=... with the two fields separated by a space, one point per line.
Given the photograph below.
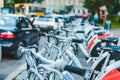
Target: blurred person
x=90 y=17
x=22 y=23
x=31 y=20
x=25 y=22
x=84 y=16
x=96 y=18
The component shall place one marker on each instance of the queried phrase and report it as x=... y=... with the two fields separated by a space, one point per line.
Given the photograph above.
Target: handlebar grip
x=26 y=29
x=80 y=31
x=33 y=46
x=77 y=40
x=48 y=35
x=75 y=70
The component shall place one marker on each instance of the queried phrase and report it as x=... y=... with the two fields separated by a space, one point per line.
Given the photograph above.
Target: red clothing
x=84 y=15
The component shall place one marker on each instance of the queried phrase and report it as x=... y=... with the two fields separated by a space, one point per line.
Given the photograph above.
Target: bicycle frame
x=110 y=72
x=105 y=57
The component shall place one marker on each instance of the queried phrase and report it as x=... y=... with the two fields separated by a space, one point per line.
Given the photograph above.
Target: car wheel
x=0 y=53
x=17 y=53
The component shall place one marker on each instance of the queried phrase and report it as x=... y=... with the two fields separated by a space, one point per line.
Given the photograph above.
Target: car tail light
x=7 y=35
x=51 y=26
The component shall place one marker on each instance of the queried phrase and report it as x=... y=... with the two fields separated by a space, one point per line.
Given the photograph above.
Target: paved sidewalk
x=22 y=76
x=116 y=32
x=17 y=75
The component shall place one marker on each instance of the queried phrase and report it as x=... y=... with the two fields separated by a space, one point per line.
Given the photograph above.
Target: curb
x=16 y=73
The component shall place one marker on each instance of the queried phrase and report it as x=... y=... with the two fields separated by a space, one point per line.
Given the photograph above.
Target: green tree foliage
x=8 y=3
x=113 y=6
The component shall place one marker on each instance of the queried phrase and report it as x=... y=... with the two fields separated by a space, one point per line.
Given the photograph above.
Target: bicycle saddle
x=114 y=52
x=100 y=33
x=110 y=39
x=112 y=49
x=97 y=28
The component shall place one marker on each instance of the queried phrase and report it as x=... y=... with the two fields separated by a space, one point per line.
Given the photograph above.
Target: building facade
x=60 y=4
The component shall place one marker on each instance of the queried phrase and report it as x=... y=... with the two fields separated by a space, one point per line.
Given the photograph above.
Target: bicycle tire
x=111 y=72
x=52 y=76
x=97 y=68
x=52 y=40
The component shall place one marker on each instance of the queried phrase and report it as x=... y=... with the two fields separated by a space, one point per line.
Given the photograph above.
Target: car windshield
x=7 y=21
x=45 y=19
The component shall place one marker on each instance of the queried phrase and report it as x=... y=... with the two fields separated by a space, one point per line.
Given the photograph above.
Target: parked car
x=59 y=17
x=47 y=23
x=13 y=30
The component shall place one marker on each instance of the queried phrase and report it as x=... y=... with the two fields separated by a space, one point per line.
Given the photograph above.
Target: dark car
x=13 y=30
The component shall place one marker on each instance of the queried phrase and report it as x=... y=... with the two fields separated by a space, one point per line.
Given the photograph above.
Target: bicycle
x=32 y=60
x=57 y=66
x=64 y=50
x=110 y=69
x=90 y=74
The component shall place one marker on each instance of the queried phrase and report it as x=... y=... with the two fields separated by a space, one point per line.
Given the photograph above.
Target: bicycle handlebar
x=64 y=38
x=74 y=69
x=37 y=55
x=80 y=31
x=75 y=31
x=77 y=40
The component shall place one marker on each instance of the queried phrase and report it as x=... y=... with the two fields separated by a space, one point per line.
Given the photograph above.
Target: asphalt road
x=9 y=65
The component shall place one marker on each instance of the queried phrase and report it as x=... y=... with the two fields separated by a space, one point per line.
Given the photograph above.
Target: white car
x=46 y=23
x=59 y=17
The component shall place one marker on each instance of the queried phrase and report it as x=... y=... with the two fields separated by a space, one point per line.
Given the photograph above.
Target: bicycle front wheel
x=33 y=75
